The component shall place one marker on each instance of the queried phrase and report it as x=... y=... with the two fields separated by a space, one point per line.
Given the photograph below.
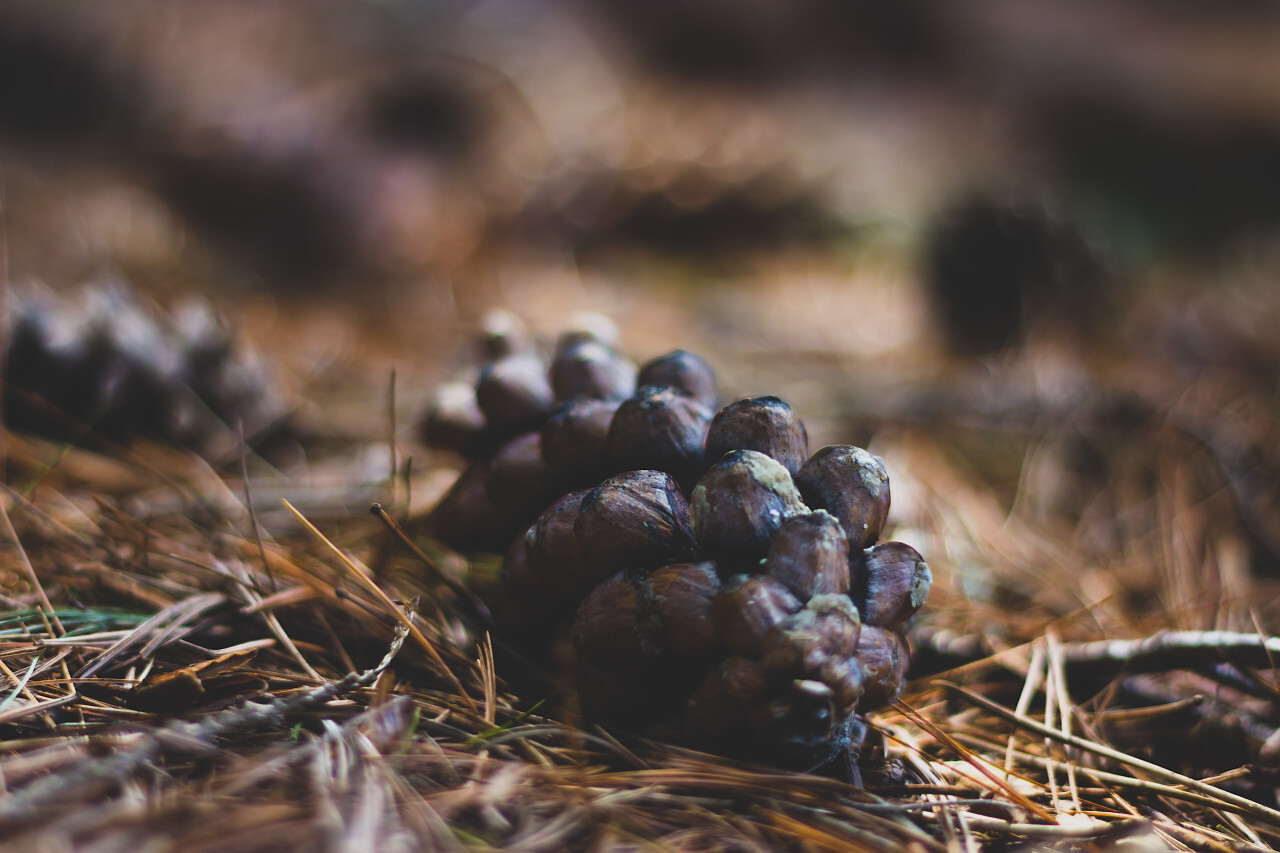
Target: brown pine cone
x=721 y=584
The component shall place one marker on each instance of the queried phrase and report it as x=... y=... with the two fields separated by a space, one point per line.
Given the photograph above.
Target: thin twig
x=1030 y=684
x=248 y=503
x=391 y=434
x=1176 y=650
x=1064 y=710
x=1195 y=838
x=1094 y=830
x=1159 y=652
x=29 y=569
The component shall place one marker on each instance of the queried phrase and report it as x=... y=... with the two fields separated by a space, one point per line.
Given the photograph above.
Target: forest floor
x=232 y=652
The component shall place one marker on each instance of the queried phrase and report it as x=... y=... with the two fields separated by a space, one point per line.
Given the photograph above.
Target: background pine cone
x=102 y=364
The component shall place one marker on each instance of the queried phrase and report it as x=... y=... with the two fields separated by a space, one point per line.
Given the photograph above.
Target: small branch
x=1176 y=650
x=1160 y=652
x=1094 y=830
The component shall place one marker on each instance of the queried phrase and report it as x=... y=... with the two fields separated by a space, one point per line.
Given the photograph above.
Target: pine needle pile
x=197 y=660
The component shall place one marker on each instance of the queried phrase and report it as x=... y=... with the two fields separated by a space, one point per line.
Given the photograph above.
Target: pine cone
x=721 y=586
x=103 y=364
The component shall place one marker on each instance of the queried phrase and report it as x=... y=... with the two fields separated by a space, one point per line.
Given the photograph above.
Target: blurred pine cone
x=101 y=364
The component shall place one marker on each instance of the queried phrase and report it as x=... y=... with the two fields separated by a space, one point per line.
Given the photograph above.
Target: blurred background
x=1025 y=252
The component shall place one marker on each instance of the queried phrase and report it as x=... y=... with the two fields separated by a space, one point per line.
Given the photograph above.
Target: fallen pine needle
x=1253 y=808
x=368 y=583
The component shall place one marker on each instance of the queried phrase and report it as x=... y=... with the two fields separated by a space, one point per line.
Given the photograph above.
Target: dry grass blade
x=160 y=628
x=248 y=503
x=817 y=836
x=489 y=680
x=1208 y=841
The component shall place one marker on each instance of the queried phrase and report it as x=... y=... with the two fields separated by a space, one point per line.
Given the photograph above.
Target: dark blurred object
x=430 y=113
x=282 y=213
x=55 y=88
x=696 y=208
x=995 y=272
x=1190 y=181
x=771 y=40
x=273 y=208
x=103 y=365
x=1158 y=119
x=301 y=193
x=695 y=216
x=377 y=140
